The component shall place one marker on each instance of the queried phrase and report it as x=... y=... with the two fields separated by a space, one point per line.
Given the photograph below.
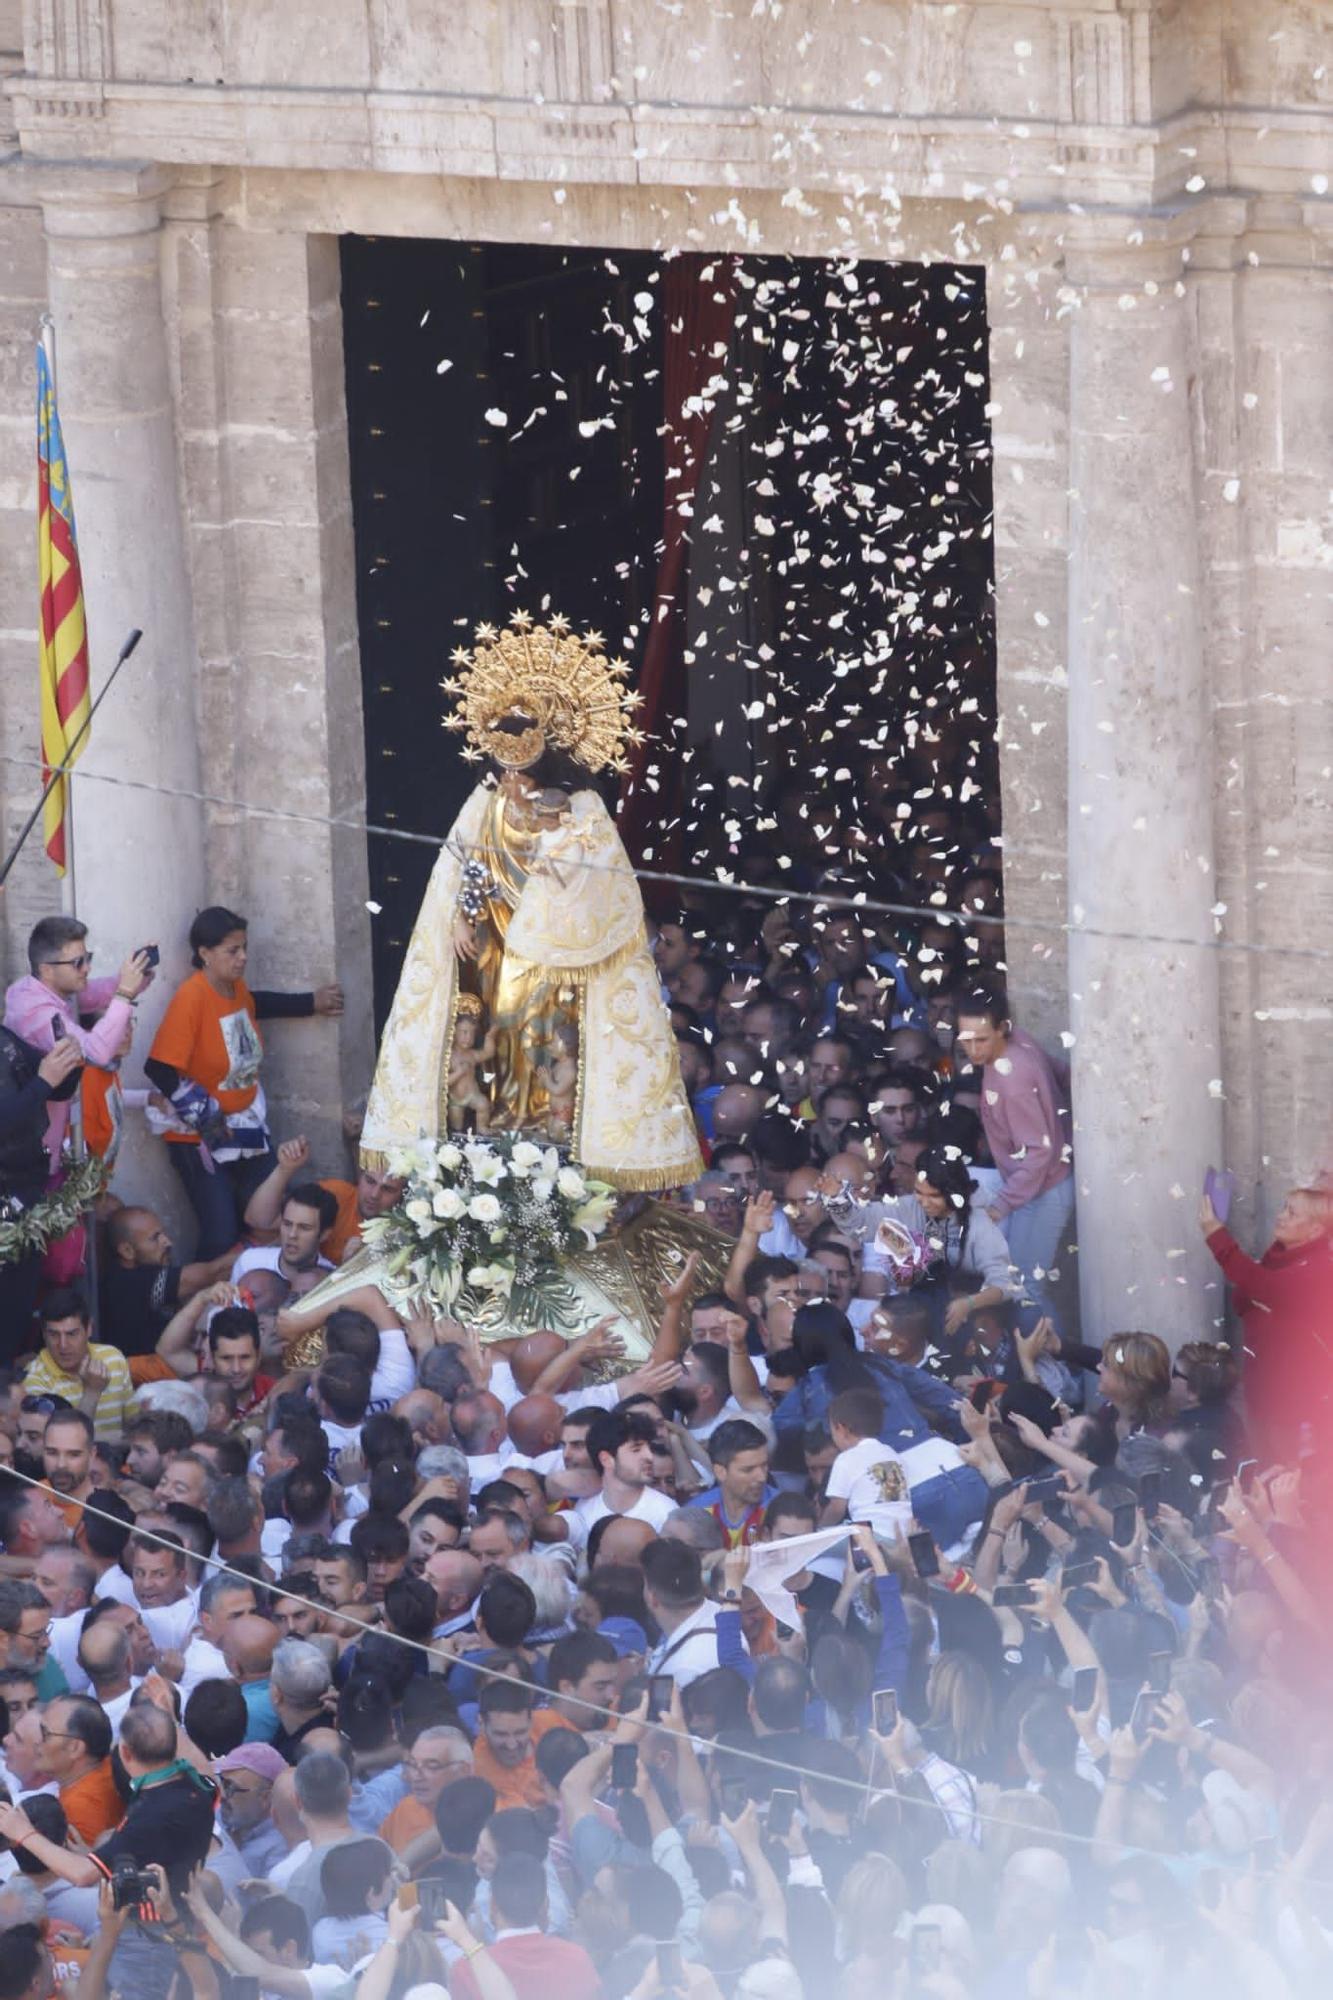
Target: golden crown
x=528 y=686
x=468 y=1003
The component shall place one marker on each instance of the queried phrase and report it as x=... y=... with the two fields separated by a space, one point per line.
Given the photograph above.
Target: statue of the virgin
x=529 y=1001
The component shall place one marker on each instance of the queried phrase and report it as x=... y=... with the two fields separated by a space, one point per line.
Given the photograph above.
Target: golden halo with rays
x=557 y=687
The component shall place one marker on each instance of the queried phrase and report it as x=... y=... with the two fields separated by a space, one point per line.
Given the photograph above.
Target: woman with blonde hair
x=960 y=1721
x=1135 y=1378
x=872 y=1902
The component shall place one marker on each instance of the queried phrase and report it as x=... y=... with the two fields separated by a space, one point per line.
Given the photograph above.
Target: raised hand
x=293 y=1154
x=94 y=1375
x=61 y=1062
x=677 y=1290
x=760 y=1212
x=135 y=974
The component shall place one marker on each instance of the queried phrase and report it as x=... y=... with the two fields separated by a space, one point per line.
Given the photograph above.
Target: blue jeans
x=1034 y=1233
x=950 y=1504
x=219 y=1199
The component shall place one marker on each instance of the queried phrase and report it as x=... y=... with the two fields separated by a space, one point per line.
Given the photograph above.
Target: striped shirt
x=44 y=1378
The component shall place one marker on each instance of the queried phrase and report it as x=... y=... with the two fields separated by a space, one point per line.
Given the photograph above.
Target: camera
x=131 y=1887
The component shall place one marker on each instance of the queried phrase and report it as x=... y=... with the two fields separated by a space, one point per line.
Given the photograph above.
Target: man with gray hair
x=696 y=1527
x=714 y=1200
x=323 y=1796
x=298 y=1682
x=66 y=1579
x=446 y=1475
x=182 y=1399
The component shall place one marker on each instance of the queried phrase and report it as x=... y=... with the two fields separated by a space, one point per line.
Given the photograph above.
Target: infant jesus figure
x=469 y=1099
x=562 y=1081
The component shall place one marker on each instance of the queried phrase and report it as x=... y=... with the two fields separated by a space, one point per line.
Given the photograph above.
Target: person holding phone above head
x=206 y=1058
x=58 y=997
x=1285 y=1303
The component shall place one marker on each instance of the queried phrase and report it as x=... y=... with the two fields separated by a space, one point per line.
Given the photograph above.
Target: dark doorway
x=836 y=684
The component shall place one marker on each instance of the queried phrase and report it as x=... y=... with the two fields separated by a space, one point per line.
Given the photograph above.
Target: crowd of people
x=870 y=1636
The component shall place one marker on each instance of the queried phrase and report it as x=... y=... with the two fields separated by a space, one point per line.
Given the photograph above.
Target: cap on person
x=261 y=1758
x=626 y=1635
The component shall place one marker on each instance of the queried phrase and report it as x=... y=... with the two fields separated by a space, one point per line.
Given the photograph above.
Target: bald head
x=737 y=1109
x=534 y=1425
x=533 y=1354
x=428 y=1415
x=283 y=1806
x=855 y=1169
x=479 y=1422
x=104 y=1653
x=623 y=1541
x=456 y=1579
x=247 y=1646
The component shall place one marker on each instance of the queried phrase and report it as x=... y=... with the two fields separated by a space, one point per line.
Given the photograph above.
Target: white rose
x=571 y=1184
x=484 y=1208
x=450 y=1158
x=525 y=1156
x=448 y=1204
x=418 y=1211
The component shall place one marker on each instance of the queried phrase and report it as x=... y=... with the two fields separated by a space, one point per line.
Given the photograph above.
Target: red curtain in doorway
x=698 y=305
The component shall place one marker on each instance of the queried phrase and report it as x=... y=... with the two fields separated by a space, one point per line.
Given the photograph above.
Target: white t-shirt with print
x=873 y=1480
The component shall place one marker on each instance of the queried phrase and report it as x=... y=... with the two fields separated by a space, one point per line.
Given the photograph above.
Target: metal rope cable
x=862 y=1787
x=824 y=900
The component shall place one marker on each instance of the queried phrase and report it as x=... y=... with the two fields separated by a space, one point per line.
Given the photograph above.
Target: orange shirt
x=346 y=1224
x=103 y=1111
x=520 y=1785
x=408 y=1818
x=92 y=1804
x=70 y=1511
x=212 y=1041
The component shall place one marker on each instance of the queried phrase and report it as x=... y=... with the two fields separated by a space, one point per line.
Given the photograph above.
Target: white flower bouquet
x=482 y=1227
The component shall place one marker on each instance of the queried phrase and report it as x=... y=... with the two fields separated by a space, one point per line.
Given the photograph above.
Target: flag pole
x=68 y=891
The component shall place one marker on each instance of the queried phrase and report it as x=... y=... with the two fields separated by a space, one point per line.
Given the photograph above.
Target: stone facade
x=1145 y=182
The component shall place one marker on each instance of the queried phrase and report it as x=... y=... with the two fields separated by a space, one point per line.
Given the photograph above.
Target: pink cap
x=261 y=1758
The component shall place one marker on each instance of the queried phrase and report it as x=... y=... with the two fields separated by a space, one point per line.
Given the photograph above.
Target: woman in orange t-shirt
x=205 y=1059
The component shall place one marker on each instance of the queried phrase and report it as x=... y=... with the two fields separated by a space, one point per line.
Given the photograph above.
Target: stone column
x=138 y=853
x=1145 y=1013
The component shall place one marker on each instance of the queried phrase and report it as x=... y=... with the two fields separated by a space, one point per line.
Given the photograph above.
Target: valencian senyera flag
x=63 y=635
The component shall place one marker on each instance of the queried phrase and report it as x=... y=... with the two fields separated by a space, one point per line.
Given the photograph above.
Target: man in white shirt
x=168 y=1606
x=104 y=1659
x=221 y=1599
x=306 y=1213
x=66 y=1579
x=673 y=1591
x=620 y=1448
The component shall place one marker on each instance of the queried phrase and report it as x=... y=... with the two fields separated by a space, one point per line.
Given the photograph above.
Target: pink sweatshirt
x=29 y=1008
x=1025 y=1116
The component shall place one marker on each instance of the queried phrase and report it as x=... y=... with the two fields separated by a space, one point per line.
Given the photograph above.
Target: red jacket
x=1285 y=1302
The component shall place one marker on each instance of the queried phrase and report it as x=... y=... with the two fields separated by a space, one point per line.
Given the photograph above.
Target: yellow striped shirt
x=113 y=1405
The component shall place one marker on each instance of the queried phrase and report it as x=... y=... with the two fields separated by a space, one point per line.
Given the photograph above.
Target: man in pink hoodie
x=1025 y=1116
x=57 y=995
